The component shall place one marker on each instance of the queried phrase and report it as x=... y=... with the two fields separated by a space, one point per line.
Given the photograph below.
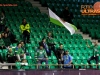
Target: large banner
x=51 y=72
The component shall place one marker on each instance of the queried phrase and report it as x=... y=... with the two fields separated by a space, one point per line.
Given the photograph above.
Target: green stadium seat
x=42 y=2
x=29 y=60
x=20 y=9
x=76 y=65
x=5 y=54
x=36 y=9
x=32 y=67
x=49 y=5
x=1 y=53
x=28 y=4
x=93 y=65
x=23 y=3
x=18 y=65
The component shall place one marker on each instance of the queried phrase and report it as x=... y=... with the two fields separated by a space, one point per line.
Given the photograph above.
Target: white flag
x=56 y=20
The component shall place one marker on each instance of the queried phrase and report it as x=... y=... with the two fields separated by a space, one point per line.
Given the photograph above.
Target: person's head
x=10 y=50
x=44 y=40
x=41 y=47
x=22 y=43
x=2 y=13
x=7 y=29
x=24 y=21
x=49 y=34
x=5 y=35
x=0 y=36
x=61 y=46
x=96 y=43
x=67 y=52
x=66 y=8
x=19 y=45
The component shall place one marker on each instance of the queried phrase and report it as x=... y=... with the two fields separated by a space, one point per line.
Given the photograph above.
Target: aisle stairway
x=37 y=4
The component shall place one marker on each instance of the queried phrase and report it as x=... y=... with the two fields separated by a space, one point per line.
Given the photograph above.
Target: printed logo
x=91 y=9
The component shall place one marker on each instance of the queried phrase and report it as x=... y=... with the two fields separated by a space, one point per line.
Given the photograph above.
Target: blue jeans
x=42 y=60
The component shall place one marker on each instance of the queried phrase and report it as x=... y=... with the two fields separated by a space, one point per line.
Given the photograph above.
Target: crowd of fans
x=46 y=45
x=18 y=53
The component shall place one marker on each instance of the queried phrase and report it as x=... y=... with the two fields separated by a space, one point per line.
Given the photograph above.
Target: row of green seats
x=20 y=9
x=19 y=14
x=73 y=47
x=91 y=18
x=60 y=37
x=62 y=6
x=64 y=1
x=56 y=33
x=44 y=2
x=16 y=21
x=89 y=22
x=30 y=21
x=28 y=16
x=81 y=53
x=67 y=45
x=41 y=26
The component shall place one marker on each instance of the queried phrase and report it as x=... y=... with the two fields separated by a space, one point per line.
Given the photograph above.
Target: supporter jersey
x=41 y=54
x=67 y=59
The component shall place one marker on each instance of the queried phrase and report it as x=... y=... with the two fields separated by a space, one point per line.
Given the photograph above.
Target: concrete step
x=46 y=11
x=38 y=5
x=85 y=36
x=42 y=8
x=35 y=2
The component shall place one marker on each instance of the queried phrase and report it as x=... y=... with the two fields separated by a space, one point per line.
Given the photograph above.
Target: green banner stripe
x=55 y=22
x=60 y=24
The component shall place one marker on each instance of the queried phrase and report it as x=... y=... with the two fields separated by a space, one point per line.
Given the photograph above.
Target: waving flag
x=56 y=20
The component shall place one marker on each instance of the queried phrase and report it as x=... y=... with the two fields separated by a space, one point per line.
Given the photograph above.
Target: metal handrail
x=37 y=65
